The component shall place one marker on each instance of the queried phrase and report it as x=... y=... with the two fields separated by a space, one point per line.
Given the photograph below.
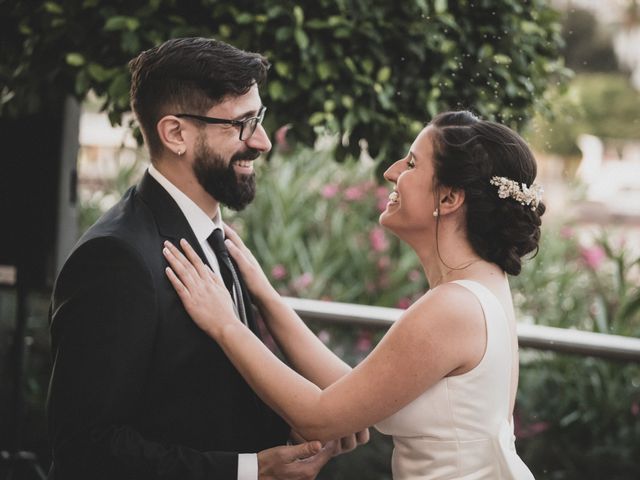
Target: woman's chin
x=385 y=218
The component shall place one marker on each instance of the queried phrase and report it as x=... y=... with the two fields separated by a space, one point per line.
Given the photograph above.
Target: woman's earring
x=436 y=213
x=180 y=152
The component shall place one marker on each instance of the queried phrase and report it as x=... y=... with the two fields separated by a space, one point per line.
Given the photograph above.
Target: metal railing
x=563 y=340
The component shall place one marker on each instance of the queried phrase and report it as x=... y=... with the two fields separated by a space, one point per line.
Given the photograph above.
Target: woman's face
x=412 y=202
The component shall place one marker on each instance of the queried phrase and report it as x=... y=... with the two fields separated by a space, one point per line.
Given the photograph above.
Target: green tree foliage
x=601 y=104
x=368 y=69
x=588 y=48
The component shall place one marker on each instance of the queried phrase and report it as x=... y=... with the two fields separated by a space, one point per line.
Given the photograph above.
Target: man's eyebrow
x=248 y=114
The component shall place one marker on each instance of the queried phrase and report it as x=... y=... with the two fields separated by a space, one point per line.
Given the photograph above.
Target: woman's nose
x=391 y=174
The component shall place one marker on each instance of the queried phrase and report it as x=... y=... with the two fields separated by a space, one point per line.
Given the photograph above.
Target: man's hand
x=342 y=445
x=294 y=462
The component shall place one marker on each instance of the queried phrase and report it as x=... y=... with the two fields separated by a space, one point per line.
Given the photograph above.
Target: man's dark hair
x=189 y=75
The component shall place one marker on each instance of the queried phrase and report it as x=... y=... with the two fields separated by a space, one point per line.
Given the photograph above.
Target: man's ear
x=451 y=199
x=171 y=134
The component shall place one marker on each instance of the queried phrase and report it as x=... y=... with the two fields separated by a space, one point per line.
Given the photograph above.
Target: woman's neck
x=451 y=258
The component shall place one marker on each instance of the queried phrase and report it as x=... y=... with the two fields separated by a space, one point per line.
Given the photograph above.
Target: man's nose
x=259 y=140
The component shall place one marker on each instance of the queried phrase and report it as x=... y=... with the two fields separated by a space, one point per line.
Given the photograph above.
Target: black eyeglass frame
x=257 y=120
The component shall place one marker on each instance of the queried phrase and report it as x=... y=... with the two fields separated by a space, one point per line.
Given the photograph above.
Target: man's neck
x=188 y=184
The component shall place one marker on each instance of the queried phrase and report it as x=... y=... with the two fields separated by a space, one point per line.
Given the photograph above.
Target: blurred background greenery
x=345 y=71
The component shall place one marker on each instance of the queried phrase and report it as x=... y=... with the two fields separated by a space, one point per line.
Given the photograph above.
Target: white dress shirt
x=202 y=227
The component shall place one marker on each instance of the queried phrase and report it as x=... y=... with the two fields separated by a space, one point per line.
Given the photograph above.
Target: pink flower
x=415 y=275
x=364 y=343
x=329 y=191
x=378 y=239
x=567 y=232
x=281 y=138
x=303 y=281
x=531 y=430
x=278 y=272
x=593 y=256
x=404 y=303
x=384 y=263
x=382 y=198
x=352 y=194
x=324 y=336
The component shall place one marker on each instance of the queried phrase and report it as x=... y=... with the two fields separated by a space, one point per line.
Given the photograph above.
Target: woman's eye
x=411 y=163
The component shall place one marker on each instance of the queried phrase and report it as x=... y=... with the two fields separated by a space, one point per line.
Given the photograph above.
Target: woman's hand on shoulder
x=201 y=291
x=251 y=271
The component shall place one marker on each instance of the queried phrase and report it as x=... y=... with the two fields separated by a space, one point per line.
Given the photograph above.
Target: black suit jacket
x=137 y=390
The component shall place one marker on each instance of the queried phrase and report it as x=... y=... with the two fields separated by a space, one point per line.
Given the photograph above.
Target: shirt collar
x=198 y=220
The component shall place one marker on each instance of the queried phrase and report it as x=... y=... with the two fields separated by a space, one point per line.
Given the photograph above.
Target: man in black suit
x=137 y=390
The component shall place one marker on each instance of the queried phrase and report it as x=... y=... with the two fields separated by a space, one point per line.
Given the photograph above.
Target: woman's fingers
x=236 y=253
x=193 y=257
x=183 y=292
x=231 y=234
x=179 y=264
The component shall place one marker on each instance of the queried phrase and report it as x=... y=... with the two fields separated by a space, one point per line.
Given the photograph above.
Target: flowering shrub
x=577 y=417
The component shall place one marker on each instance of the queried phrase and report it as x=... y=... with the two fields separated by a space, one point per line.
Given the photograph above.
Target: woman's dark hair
x=468 y=152
x=189 y=75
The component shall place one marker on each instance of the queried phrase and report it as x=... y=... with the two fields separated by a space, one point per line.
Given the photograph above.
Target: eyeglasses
x=247 y=126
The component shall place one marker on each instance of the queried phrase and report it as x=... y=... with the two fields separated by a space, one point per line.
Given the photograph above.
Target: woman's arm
x=304 y=351
x=436 y=336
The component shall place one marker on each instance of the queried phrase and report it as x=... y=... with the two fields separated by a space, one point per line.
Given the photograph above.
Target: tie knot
x=216 y=240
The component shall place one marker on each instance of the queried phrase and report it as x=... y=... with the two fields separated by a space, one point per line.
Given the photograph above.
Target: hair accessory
x=508 y=188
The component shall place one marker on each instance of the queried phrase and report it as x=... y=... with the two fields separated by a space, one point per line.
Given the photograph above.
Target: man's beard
x=221 y=181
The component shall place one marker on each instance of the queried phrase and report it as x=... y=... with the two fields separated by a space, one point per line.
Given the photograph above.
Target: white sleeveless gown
x=461 y=428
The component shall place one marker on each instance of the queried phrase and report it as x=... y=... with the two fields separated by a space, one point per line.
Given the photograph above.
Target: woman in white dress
x=443 y=379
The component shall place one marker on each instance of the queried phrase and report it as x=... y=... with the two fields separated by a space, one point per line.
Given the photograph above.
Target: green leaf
x=441 y=6
x=301 y=38
x=224 y=31
x=75 y=59
x=121 y=23
x=53 y=7
x=119 y=89
x=384 y=74
x=316 y=118
x=501 y=59
x=282 y=69
x=347 y=101
x=244 y=19
x=99 y=73
x=324 y=70
x=276 y=89
x=298 y=14
x=367 y=65
x=486 y=51
x=283 y=33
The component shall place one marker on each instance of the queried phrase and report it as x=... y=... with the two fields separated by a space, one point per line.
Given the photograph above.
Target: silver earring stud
x=436 y=213
x=180 y=152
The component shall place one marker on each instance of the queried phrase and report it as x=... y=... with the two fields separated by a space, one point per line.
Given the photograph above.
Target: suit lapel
x=172 y=226
x=171 y=222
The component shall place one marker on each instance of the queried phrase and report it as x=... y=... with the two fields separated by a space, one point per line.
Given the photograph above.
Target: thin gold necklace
x=456 y=269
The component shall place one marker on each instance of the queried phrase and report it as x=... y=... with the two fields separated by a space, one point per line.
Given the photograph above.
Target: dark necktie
x=226 y=266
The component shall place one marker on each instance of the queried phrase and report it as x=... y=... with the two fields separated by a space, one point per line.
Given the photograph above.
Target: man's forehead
x=232 y=107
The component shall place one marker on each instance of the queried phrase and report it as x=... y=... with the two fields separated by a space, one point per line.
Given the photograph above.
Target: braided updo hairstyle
x=468 y=152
